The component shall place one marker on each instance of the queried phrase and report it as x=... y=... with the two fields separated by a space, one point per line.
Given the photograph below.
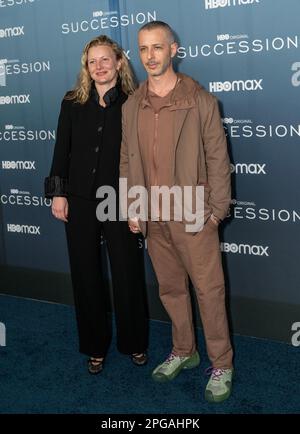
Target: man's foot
x=171 y=367
x=219 y=385
x=95 y=365
x=139 y=359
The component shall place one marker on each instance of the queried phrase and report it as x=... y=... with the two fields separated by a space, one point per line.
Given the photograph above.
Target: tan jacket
x=200 y=154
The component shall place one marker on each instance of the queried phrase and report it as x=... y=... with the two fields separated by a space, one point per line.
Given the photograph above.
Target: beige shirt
x=155 y=132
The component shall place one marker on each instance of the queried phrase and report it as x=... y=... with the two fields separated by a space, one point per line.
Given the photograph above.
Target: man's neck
x=162 y=84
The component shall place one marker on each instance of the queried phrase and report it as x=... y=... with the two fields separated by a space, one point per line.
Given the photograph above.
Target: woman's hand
x=134 y=225
x=60 y=208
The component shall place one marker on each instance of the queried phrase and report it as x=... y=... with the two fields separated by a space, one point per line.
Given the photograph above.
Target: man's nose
x=150 y=53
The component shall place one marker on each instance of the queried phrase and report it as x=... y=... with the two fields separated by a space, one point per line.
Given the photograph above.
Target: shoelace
x=215 y=372
x=171 y=357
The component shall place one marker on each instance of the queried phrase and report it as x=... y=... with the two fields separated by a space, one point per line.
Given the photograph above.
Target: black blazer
x=87 y=148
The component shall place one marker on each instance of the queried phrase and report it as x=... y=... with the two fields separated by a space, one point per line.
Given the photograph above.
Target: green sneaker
x=171 y=367
x=219 y=385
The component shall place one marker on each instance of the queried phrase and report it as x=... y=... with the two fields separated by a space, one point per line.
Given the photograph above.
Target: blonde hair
x=81 y=92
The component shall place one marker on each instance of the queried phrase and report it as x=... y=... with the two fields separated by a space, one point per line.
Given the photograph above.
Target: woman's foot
x=139 y=359
x=95 y=365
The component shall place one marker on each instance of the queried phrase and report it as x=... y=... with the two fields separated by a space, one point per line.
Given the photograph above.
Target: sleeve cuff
x=55 y=186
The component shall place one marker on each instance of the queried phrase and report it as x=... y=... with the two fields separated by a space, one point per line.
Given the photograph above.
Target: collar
x=146 y=100
x=109 y=97
x=182 y=97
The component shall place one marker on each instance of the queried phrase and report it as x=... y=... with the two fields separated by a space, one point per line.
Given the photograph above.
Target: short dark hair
x=160 y=24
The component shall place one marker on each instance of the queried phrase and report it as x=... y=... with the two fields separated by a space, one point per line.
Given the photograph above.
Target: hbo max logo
x=235 y=86
x=24 y=229
x=213 y=4
x=12 y=31
x=244 y=249
x=16 y=165
x=248 y=169
x=15 y=99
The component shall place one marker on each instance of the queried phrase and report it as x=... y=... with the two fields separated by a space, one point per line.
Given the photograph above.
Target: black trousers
x=90 y=295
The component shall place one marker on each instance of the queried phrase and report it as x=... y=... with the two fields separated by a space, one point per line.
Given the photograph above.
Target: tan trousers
x=175 y=254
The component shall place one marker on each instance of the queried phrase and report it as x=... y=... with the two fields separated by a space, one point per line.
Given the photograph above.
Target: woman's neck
x=102 y=89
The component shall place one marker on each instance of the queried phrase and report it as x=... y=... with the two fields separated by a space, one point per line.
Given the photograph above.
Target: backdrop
x=246 y=52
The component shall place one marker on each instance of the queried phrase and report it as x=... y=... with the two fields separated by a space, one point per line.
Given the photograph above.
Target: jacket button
x=131 y=155
x=94 y=170
x=97 y=149
x=99 y=129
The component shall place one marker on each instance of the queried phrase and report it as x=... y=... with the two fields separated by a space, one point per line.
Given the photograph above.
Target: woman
x=86 y=156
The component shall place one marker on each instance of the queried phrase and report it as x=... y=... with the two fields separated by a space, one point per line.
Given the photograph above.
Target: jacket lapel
x=137 y=176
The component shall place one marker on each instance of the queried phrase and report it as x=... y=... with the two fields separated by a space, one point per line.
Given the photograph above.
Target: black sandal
x=139 y=359
x=95 y=366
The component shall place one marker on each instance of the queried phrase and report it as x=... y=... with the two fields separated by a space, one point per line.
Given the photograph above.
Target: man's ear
x=174 y=47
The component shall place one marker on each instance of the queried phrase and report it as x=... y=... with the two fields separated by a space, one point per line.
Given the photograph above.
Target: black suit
x=87 y=150
x=86 y=156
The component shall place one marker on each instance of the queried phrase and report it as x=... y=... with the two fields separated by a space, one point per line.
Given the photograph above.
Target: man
x=173 y=136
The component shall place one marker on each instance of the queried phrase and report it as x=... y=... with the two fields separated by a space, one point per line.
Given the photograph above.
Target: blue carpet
x=41 y=371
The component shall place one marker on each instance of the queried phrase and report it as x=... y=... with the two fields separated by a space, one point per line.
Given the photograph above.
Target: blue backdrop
x=246 y=52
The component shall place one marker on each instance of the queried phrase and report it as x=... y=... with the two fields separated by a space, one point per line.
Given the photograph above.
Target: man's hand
x=60 y=208
x=134 y=225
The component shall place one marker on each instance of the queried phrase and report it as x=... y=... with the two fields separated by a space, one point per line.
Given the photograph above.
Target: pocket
x=209 y=225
